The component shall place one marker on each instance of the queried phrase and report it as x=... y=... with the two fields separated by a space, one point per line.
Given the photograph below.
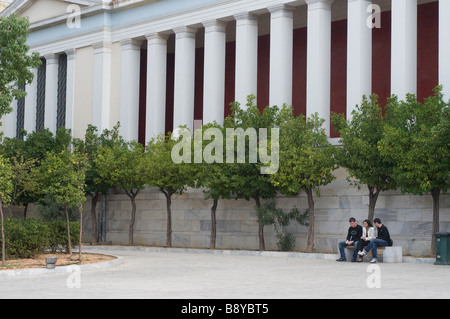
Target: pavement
x=158 y=273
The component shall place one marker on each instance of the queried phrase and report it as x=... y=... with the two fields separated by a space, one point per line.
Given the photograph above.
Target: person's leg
x=377 y=243
x=367 y=249
x=362 y=244
x=374 y=249
x=342 y=251
x=355 y=250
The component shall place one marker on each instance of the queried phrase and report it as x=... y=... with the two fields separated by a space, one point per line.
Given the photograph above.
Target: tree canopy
x=15 y=63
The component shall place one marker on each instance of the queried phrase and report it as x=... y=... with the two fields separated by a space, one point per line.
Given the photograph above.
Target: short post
x=51 y=262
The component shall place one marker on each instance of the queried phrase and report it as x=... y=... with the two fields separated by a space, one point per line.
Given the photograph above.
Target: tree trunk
x=3 y=235
x=262 y=244
x=25 y=211
x=94 y=202
x=81 y=232
x=133 y=220
x=68 y=229
x=373 y=197
x=169 y=221
x=310 y=241
x=212 y=243
x=435 y=193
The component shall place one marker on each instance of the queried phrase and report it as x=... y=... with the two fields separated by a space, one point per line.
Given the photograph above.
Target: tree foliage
x=168 y=176
x=359 y=152
x=416 y=141
x=214 y=177
x=119 y=164
x=62 y=175
x=306 y=161
x=6 y=189
x=246 y=179
x=95 y=184
x=15 y=63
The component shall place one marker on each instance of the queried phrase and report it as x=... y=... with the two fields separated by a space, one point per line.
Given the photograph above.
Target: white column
x=444 y=47
x=246 y=82
x=319 y=60
x=156 y=85
x=404 y=48
x=184 y=86
x=281 y=54
x=359 y=53
x=51 y=92
x=11 y=121
x=214 y=72
x=102 y=86
x=30 y=104
x=129 y=89
x=70 y=89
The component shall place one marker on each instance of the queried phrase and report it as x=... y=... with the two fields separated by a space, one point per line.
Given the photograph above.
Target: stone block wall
x=408 y=217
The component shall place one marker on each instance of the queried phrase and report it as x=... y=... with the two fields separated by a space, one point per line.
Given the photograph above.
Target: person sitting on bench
x=383 y=239
x=367 y=236
x=353 y=236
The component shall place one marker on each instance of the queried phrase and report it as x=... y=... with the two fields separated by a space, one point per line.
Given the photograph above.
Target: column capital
x=319 y=4
x=185 y=32
x=281 y=10
x=246 y=18
x=130 y=44
x=157 y=38
x=51 y=58
x=101 y=47
x=215 y=26
x=70 y=54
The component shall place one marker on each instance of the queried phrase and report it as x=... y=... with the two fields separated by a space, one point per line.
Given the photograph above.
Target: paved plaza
x=195 y=274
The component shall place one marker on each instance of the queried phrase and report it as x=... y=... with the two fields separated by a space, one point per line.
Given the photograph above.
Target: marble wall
x=408 y=217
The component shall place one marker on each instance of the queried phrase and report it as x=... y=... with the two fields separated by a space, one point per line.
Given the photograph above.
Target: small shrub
x=286 y=241
x=25 y=238
x=269 y=214
x=58 y=235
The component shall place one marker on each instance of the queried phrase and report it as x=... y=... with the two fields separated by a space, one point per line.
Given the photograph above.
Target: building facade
x=156 y=64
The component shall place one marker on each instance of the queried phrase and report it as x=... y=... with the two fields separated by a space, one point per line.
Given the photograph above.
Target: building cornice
x=192 y=17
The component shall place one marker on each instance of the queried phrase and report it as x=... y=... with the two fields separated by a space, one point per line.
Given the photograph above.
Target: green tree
x=26 y=156
x=62 y=175
x=95 y=184
x=119 y=164
x=6 y=189
x=169 y=176
x=246 y=177
x=15 y=63
x=214 y=175
x=306 y=162
x=359 y=152
x=416 y=140
x=24 y=181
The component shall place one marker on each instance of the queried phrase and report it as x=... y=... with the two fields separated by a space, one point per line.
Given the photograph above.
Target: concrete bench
x=393 y=254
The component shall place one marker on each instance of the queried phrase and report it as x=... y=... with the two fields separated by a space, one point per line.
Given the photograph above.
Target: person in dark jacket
x=353 y=235
x=383 y=239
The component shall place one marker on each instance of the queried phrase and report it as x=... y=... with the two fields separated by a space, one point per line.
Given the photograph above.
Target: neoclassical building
x=156 y=64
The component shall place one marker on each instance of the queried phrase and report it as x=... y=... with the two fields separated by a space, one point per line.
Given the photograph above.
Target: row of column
x=359 y=61
x=214 y=65
x=359 y=64
x=51 y=97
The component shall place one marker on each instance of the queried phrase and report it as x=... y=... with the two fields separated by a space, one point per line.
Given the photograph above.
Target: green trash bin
x=442 y=248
